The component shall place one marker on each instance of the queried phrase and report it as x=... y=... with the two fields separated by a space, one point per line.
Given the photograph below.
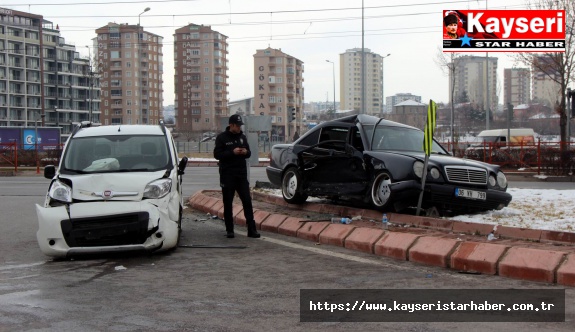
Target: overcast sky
x=312 y=31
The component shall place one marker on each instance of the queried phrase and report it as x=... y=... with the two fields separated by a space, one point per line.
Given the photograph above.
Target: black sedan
x=381 y=162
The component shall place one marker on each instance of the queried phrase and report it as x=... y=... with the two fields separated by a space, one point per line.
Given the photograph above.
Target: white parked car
x=118 y=188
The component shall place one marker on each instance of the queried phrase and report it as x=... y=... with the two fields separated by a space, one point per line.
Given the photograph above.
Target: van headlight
x=158 y=188
x=501 y=180
x=60 y=192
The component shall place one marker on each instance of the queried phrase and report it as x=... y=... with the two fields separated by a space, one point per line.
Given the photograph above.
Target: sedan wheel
x=381 y=191
x=291 y=184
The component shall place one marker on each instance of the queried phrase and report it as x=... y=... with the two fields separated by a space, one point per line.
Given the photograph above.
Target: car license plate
x=470 y=194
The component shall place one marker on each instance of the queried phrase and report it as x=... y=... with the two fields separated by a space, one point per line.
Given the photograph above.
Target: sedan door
x=333 y=167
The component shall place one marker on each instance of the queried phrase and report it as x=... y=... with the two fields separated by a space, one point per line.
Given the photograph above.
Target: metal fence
x=550 y=157
x=13 y=155
x=192 y=147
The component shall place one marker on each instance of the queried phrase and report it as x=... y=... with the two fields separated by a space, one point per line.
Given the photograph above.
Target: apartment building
x=350 y=92
x=20 y=68
x=546 y=90
x=516 y=86
x=130 y=65
x=70 y=88
x=279 y=92
x=473 y=76
x=392 y=101
x=201 y=87
x=43 y=80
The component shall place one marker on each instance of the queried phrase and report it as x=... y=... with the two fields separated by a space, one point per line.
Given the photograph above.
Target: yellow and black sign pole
x=427 y=146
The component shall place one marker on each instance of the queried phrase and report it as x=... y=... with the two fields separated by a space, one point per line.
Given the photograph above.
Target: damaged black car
x=380 y=162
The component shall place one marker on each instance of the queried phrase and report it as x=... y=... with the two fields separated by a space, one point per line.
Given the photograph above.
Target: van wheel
x=180 y=214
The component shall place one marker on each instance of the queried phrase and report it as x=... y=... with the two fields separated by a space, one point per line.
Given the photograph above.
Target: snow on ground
x=547 y=209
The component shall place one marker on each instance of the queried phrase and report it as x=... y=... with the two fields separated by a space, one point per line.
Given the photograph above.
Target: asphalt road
x=205 y=289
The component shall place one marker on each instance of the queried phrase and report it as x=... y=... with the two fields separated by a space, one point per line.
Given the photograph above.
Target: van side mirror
x=49 y=171
x=182 y=165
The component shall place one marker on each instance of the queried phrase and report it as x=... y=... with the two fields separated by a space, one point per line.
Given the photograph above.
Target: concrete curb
x=432 y=242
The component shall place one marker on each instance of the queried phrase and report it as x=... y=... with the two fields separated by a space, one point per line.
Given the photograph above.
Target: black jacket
x=226 y=142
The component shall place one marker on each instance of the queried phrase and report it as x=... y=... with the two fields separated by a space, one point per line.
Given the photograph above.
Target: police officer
x=232 y=150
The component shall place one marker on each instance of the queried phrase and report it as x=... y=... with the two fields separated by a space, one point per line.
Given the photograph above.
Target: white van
x=117 y=188
x=499 y=136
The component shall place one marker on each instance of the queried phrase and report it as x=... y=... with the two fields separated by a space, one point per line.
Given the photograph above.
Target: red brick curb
x=507 y=258
x=531 y=264
x=363 y=239
x=566 y=273
x=311 y=230
x=272 y=223
x=431 y=250
x=477 y=257
x=335 y=234
x=395 y=245
x=290 y=226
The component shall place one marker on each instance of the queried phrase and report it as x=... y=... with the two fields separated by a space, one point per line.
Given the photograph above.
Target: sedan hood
x=111 y=186
x=446 y=160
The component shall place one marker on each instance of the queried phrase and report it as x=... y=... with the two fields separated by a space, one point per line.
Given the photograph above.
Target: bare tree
x=446 y=62
x=558 y=67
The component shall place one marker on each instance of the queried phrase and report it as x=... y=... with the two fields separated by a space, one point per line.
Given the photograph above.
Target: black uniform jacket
x=226 y=142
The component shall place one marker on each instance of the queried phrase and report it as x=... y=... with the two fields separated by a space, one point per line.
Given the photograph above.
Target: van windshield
x=116 y=154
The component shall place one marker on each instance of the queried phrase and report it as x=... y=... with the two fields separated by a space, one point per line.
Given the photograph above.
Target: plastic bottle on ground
x=338 y=220
x=384 y=221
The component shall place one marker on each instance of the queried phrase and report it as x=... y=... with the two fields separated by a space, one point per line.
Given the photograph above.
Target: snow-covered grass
x=547 y=209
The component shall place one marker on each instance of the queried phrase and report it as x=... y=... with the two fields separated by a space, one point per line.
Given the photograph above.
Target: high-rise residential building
x=398 y=98
x=473 y=76
x=279 y=92
x=43 y=81
x=516 y=86
x=130 y=63
x=350 y=92
x=201 y=88
x=546 y=90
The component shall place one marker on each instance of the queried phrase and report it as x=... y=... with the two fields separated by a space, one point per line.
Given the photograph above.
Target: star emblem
x=465 y=40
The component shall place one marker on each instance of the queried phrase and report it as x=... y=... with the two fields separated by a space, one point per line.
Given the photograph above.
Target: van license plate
x=470 y=194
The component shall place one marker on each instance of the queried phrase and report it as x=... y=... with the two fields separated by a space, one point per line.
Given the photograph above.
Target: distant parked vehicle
x=494 y=139
x=209 y=136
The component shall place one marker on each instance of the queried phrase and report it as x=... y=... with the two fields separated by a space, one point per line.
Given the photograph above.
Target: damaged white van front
x=117 y=189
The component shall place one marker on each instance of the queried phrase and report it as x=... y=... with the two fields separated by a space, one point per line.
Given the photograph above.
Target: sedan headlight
x=492 y=181
x=158 y=188
x=501 y=180
x=61 y=192
x=434 y=173
x=418 y=168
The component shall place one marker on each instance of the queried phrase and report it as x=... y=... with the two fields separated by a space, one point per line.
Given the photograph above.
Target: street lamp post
x=91 y=84
x=333 y=71
x=36 y=141
x=140 y=63
x=145 y=10
x=383 y=83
